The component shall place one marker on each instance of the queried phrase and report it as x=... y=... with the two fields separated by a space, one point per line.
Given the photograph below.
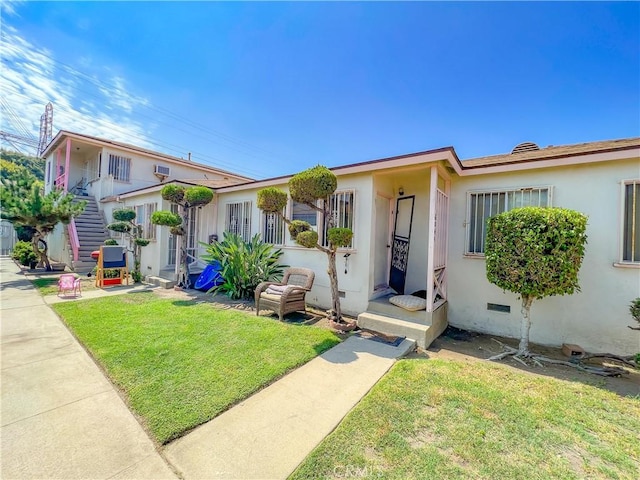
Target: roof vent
x=525 y=147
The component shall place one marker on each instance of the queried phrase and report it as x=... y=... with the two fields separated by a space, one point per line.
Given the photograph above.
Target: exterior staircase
x=422 y=326
x=92 y=232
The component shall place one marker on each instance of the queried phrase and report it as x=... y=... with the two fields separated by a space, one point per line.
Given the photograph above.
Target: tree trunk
x=336 y=312
x=525 y=326
x=44 y=258
x=183 y=276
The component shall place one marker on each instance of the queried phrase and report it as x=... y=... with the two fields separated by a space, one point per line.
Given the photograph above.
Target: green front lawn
x=181 y=363
x=447 y=419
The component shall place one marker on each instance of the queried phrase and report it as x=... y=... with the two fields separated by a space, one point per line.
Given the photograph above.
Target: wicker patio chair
x=287 y=296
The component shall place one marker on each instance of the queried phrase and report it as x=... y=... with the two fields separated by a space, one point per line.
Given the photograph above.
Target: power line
x=175 y=150
x=99 y=83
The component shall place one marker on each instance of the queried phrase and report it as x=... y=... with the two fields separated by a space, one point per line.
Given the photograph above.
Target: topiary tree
x=535 y=252
x=125 y=224
x=187 y=199
x=24 y=205
x=308 y=187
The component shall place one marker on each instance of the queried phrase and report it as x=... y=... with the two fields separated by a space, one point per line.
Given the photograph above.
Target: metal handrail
x=74 y=240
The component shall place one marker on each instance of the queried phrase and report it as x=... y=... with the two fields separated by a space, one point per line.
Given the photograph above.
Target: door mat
x=380 y=337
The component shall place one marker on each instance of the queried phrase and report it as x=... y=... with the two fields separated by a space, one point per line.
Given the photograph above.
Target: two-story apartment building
x=112 y=175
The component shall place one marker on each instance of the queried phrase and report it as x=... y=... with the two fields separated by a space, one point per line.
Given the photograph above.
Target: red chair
x=68 y=285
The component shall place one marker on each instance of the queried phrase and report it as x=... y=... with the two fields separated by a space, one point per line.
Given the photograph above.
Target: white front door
x=382 y=246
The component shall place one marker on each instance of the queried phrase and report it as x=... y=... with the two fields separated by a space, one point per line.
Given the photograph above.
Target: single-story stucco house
x=419 y=221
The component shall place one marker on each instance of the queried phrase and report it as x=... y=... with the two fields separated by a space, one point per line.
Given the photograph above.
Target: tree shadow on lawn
x=462 y=345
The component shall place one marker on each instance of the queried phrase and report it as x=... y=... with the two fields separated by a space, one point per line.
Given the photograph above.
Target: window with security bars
x=238 y=219
x=341 y=208
x=173 y=240
x=143 y=219
x=120 y=168
x=631 y=222
x=482 y=205
x=273 y=228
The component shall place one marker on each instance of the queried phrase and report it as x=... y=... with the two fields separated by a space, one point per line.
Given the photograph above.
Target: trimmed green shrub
x=121 y=227
x=296 y=227
x=312 y=184
x=173 y=193
x=124 y=214
x=110 y=241
x=165 y=217
x=272 y=200
x=197 y=196
x=340 y=237
x=535 y=252
x=244 y=264
x=308 y=239
x=24 y=254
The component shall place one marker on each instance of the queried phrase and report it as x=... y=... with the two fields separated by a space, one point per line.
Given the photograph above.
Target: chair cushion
x=409 y=302
x=271 y=297
x=278 y=289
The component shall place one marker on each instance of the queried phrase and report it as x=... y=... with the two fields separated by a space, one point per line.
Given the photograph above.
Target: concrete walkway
x=268 y=435
x=61 y=418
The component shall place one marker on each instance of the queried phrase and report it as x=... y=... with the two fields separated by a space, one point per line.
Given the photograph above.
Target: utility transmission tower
x=46 y=128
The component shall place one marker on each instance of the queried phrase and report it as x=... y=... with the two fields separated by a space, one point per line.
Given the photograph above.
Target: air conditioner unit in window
x=161 y=170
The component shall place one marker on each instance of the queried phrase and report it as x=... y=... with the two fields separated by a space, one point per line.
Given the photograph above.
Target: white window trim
x=120 y=158
x=144 y=221
x=467 y=220
x=621 y=263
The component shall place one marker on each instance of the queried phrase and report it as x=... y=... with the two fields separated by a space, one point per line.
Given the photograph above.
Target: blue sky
x=268 y=89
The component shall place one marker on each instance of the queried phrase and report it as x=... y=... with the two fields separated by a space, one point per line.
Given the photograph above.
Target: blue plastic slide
x=210 y=277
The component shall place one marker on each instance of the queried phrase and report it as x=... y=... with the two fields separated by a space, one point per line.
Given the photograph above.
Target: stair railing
x=74 y=240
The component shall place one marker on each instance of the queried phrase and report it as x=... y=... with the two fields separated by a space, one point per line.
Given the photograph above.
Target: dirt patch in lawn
x=454 y=344
x=313 y=316
x=467 y=346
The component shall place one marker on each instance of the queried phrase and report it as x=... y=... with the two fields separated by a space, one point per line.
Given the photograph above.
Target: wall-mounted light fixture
x=401 y=191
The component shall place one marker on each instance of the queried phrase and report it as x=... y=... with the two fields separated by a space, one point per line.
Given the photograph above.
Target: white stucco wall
x=155 y=255
x=353 y=283
x=141 y=173
x=595 y=318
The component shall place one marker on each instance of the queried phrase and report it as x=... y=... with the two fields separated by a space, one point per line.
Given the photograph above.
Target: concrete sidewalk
x=268 y=435
x=61 y=418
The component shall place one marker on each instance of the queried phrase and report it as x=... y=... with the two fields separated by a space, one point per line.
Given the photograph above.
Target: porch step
x=424 y=331
x=382 y=306
x=160 y=282
x=397 y=327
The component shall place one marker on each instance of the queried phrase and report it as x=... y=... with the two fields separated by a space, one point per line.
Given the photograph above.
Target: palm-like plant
x=244 y=264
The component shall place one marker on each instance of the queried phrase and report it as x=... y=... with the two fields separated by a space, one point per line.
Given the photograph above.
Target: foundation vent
x=496 y=307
